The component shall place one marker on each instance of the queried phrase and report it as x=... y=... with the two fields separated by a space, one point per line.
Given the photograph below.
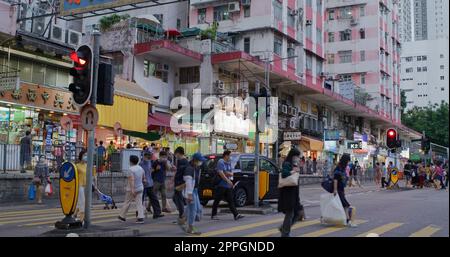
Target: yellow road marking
x=43 y=216
x=239 y=228
x=382 y=229
x=426 y=231
x=38 y=211
x=276 y=231
x=49 y=220
x=329 y=230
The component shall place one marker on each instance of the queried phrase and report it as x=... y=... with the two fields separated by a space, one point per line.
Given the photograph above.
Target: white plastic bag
x=332 y=210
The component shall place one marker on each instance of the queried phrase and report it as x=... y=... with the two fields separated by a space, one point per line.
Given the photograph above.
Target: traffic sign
x=68 y=188
x=89 y=117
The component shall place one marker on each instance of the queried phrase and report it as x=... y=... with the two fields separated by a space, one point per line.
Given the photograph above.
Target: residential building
x=405 y=26
x=431 y=18
x=424 y=72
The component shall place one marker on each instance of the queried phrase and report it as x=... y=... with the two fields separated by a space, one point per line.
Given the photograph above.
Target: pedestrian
x=340 y=180
x=179 y=184
x=110 y=150
x=129 y=146
x=314 y=166
x=81 y=171
x=407 y=170
x=224 y=189
x=153 y=202
x=390 y=167
x=354 y=173
x=303 y=165
x=160 y=167
x=422 y=175
x=26 y=148
x=135 y=145
x=192 y=178
x=439 y=174
x=134 y=190
x=325 y=169
x=308 y=165
x=41 y=177
x=289 y=200
x=101 y=153
x=384 y=175
x=378 y=174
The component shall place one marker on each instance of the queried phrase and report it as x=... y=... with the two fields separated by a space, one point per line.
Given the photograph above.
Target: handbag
x=291 y=180
x=49 y=189
x=31 y=192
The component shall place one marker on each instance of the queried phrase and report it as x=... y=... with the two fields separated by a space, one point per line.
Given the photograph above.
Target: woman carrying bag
x=289 y=200
x=41 y=177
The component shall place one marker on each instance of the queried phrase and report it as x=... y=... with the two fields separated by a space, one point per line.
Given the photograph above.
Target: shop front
x=37 y=109
x=311 y=147
x=230 y=129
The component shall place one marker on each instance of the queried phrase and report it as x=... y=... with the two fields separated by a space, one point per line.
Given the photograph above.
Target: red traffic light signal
x=391 y=138
x=82 y=71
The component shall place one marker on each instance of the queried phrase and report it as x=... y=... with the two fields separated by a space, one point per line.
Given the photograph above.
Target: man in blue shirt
x=101 y=154
x=148 y=187
x=225 y=187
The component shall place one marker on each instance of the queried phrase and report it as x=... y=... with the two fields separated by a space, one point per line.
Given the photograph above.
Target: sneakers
x=121 y=219
x=239 y=216
x=166 y=210
x=193 y=231
x=140 y=221
x=214 y=217
x=351 y=224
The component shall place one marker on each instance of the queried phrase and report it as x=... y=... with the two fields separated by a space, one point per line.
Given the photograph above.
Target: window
x=346 y=12
x=442 y=56
x=330 y=37
x=409 y=70
x=309 y=62
x=331 y=15
x=277 y=45
x=178 y=24
x=362 y=11
x=38 y=73
x=319 y=68
x=419 y=58
x=277 y=10
x=221 y=13
x=408 y=59
x=290 y=18
x=442 y=67
x=424 y=68
x=442 y=78
x=201 y=16
x=362 y=33
x=362 y=56
x=345 y=77
x=442 y=89
x=345 y=35
x=330 y=58
x=309 y=3
x=424 y=57
x=160 y=18
x=290 y=50
x=25 y=68
x=308 y=32
x=247 y=11
x=247 y=45
x=267 y=166
x=345 y=56
x=319 y=36
x=363 y=79
x=189 y=75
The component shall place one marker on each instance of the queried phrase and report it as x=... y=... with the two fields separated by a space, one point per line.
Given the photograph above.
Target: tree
x=432 y=119
x=107 y=22
x=403 y=101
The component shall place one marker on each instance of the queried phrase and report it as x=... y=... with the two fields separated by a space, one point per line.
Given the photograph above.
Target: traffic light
x=81 y=87
x=105 y=85
x=391 y=138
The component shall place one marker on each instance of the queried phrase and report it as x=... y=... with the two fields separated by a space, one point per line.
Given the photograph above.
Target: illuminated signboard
x=69 y=7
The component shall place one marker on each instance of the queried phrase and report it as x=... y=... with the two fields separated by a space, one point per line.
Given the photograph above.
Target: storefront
x=38 y=109
x=311 y=147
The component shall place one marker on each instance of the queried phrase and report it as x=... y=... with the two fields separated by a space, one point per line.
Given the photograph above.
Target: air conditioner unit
x=284 y=109
x=294 y=111
x=282 y=124
x=58 y=34
x=293 y=12
x=39 y=26
x=245 y=2
x=220 y=85
x=292 y=123
x=73 y=37
x=290 y=109
x=353 y=21
x=233 y=7
x=308 y=22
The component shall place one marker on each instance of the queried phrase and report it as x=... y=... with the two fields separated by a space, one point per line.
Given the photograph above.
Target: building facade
x=424 y=72
x=431 y=19
x=405 y=11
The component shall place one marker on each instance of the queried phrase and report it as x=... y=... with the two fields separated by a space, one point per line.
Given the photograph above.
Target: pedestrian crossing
x=251 y=226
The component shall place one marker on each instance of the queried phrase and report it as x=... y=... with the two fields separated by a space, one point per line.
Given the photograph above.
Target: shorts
x=344 y=201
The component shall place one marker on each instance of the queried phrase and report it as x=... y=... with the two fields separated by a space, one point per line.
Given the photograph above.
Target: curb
x=126 y=232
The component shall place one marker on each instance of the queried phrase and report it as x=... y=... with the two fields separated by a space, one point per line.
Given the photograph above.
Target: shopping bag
x=31 y=192
x=49 y=189
x=332 y=210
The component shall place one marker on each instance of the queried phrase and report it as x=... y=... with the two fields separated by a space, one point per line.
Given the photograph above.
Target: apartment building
x=431 y=19
x=363 y=49
x=405 y=11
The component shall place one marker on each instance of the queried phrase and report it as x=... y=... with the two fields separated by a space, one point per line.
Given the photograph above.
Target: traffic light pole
x=256 y=194
x=91 y=139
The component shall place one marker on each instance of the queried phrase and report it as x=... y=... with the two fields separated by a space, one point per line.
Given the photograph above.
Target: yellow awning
x=314 y=144
x=132 y=114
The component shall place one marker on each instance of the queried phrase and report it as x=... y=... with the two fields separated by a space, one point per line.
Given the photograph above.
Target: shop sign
x=354 y=145
x=331 y=135
x=231 y=146
x=330 y=146
x=383 y=152
x=230 y=123
x=292 y=135
x=41 y=97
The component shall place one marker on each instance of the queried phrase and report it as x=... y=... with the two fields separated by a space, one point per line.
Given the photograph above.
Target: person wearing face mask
x=160 y=167
x=289 y=199
x=148 y=187
x=191 y=177
x=81 y=170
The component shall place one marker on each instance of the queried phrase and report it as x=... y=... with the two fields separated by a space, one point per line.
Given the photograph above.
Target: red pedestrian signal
x=391 y=138
x=81 y=87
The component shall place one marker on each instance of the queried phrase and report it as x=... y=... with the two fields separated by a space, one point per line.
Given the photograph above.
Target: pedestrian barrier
x=9 y=157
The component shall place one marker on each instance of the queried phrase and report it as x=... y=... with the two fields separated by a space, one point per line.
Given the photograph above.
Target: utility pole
x=91 y=144
x=256 y=194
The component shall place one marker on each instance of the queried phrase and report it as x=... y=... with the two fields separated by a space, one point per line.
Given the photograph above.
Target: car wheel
x=204 y=202
x=240 y=197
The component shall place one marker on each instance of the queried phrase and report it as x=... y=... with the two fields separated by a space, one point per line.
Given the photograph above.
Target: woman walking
x=377 y=174
x=41 y=177
x=289 y=200
x=340 y=181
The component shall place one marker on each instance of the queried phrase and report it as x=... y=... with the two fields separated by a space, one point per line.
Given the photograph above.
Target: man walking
x=148 y=187
x=384 y=174
x=101 y=152
x=407 y=169
x=134 y=190
x=225 y=187
x=160 y=167
x=180 y=184
x=354 y=173
x=25 y=151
